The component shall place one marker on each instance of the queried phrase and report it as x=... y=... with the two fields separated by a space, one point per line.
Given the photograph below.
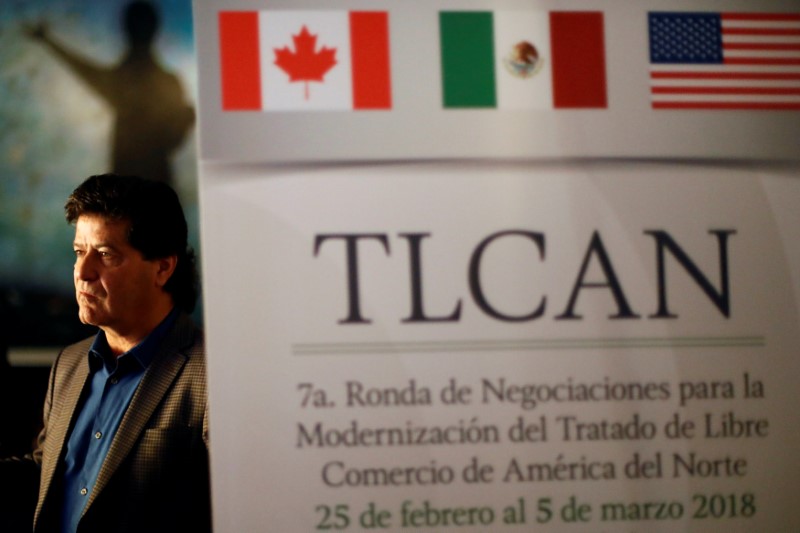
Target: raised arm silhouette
x=151 y=114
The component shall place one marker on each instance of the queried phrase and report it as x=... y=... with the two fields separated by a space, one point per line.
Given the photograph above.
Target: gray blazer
x=155 y=476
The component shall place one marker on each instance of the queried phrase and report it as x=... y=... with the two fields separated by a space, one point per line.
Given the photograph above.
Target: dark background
x=54 y=132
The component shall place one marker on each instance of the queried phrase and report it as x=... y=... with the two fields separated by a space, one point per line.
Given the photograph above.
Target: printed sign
x=504 y=295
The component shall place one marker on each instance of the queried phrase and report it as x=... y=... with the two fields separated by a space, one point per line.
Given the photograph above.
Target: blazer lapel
x=154 y=385
x=62 y=412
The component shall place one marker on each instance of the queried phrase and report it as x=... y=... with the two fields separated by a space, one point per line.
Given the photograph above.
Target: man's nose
x=85 y=269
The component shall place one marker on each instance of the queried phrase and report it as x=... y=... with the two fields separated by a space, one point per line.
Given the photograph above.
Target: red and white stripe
x=761 y=68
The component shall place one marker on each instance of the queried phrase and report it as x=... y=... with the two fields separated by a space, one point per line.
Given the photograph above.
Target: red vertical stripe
x=579 y=59
x=369 y=45
x=239 y=60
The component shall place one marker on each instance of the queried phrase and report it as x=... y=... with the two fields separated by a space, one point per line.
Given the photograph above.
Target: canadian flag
x=304 y=60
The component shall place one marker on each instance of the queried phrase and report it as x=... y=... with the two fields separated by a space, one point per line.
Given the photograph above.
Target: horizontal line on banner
x=732 y=18
x=739 y=53
x=726 y=83
x=787 y=99
x=764 y=60
x=517 y=345
x=760 y=31
x=661 y=70
x=688 y=89
x=751 y=106
x=762 y=39
x=748 y=45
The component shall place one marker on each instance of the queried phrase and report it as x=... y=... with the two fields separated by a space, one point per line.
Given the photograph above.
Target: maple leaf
x=305 y=63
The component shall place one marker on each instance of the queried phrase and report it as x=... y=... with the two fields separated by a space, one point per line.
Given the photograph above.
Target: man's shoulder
x=72 y=360
x=185 y=344
x=81 y=345
x=188 y=338
x=76 y=351
x=184 y=348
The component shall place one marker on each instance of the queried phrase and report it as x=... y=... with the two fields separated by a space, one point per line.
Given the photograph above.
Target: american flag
x=725 y=60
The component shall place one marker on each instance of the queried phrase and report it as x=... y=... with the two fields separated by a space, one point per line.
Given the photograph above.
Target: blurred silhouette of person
x=151 y=115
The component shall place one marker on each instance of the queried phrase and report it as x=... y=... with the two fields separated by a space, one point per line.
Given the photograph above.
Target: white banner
x=499 y=346
x=424 y=311
x=725 y=105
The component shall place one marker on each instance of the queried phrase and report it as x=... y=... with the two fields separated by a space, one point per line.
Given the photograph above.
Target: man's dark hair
x=157 y=224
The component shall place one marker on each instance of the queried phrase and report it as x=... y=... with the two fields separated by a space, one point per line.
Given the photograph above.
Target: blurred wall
x=57 y=128
x=62 y=71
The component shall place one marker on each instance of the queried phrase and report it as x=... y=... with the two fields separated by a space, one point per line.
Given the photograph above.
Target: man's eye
x=78 y=252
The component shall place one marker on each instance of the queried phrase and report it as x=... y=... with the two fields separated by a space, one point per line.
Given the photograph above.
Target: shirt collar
x=143 y=353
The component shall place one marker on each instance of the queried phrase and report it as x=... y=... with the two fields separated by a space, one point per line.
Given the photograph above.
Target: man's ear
x=166 y=267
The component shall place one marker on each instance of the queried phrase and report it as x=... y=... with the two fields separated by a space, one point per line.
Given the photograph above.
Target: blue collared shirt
x=111 y=385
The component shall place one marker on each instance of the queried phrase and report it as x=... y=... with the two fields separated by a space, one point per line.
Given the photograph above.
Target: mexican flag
x=304 y=60
x=523 y=59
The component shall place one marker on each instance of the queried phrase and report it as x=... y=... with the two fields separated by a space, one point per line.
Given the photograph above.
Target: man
x=125 y=439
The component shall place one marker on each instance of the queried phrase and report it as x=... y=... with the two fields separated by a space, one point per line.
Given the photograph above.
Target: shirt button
x=114 y=381
x=84 y=491
x=98 y=435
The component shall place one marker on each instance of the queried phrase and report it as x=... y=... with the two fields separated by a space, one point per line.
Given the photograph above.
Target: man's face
x=114 y=285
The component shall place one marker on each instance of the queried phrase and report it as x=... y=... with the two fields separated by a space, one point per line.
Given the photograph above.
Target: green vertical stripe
x=467 y=40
